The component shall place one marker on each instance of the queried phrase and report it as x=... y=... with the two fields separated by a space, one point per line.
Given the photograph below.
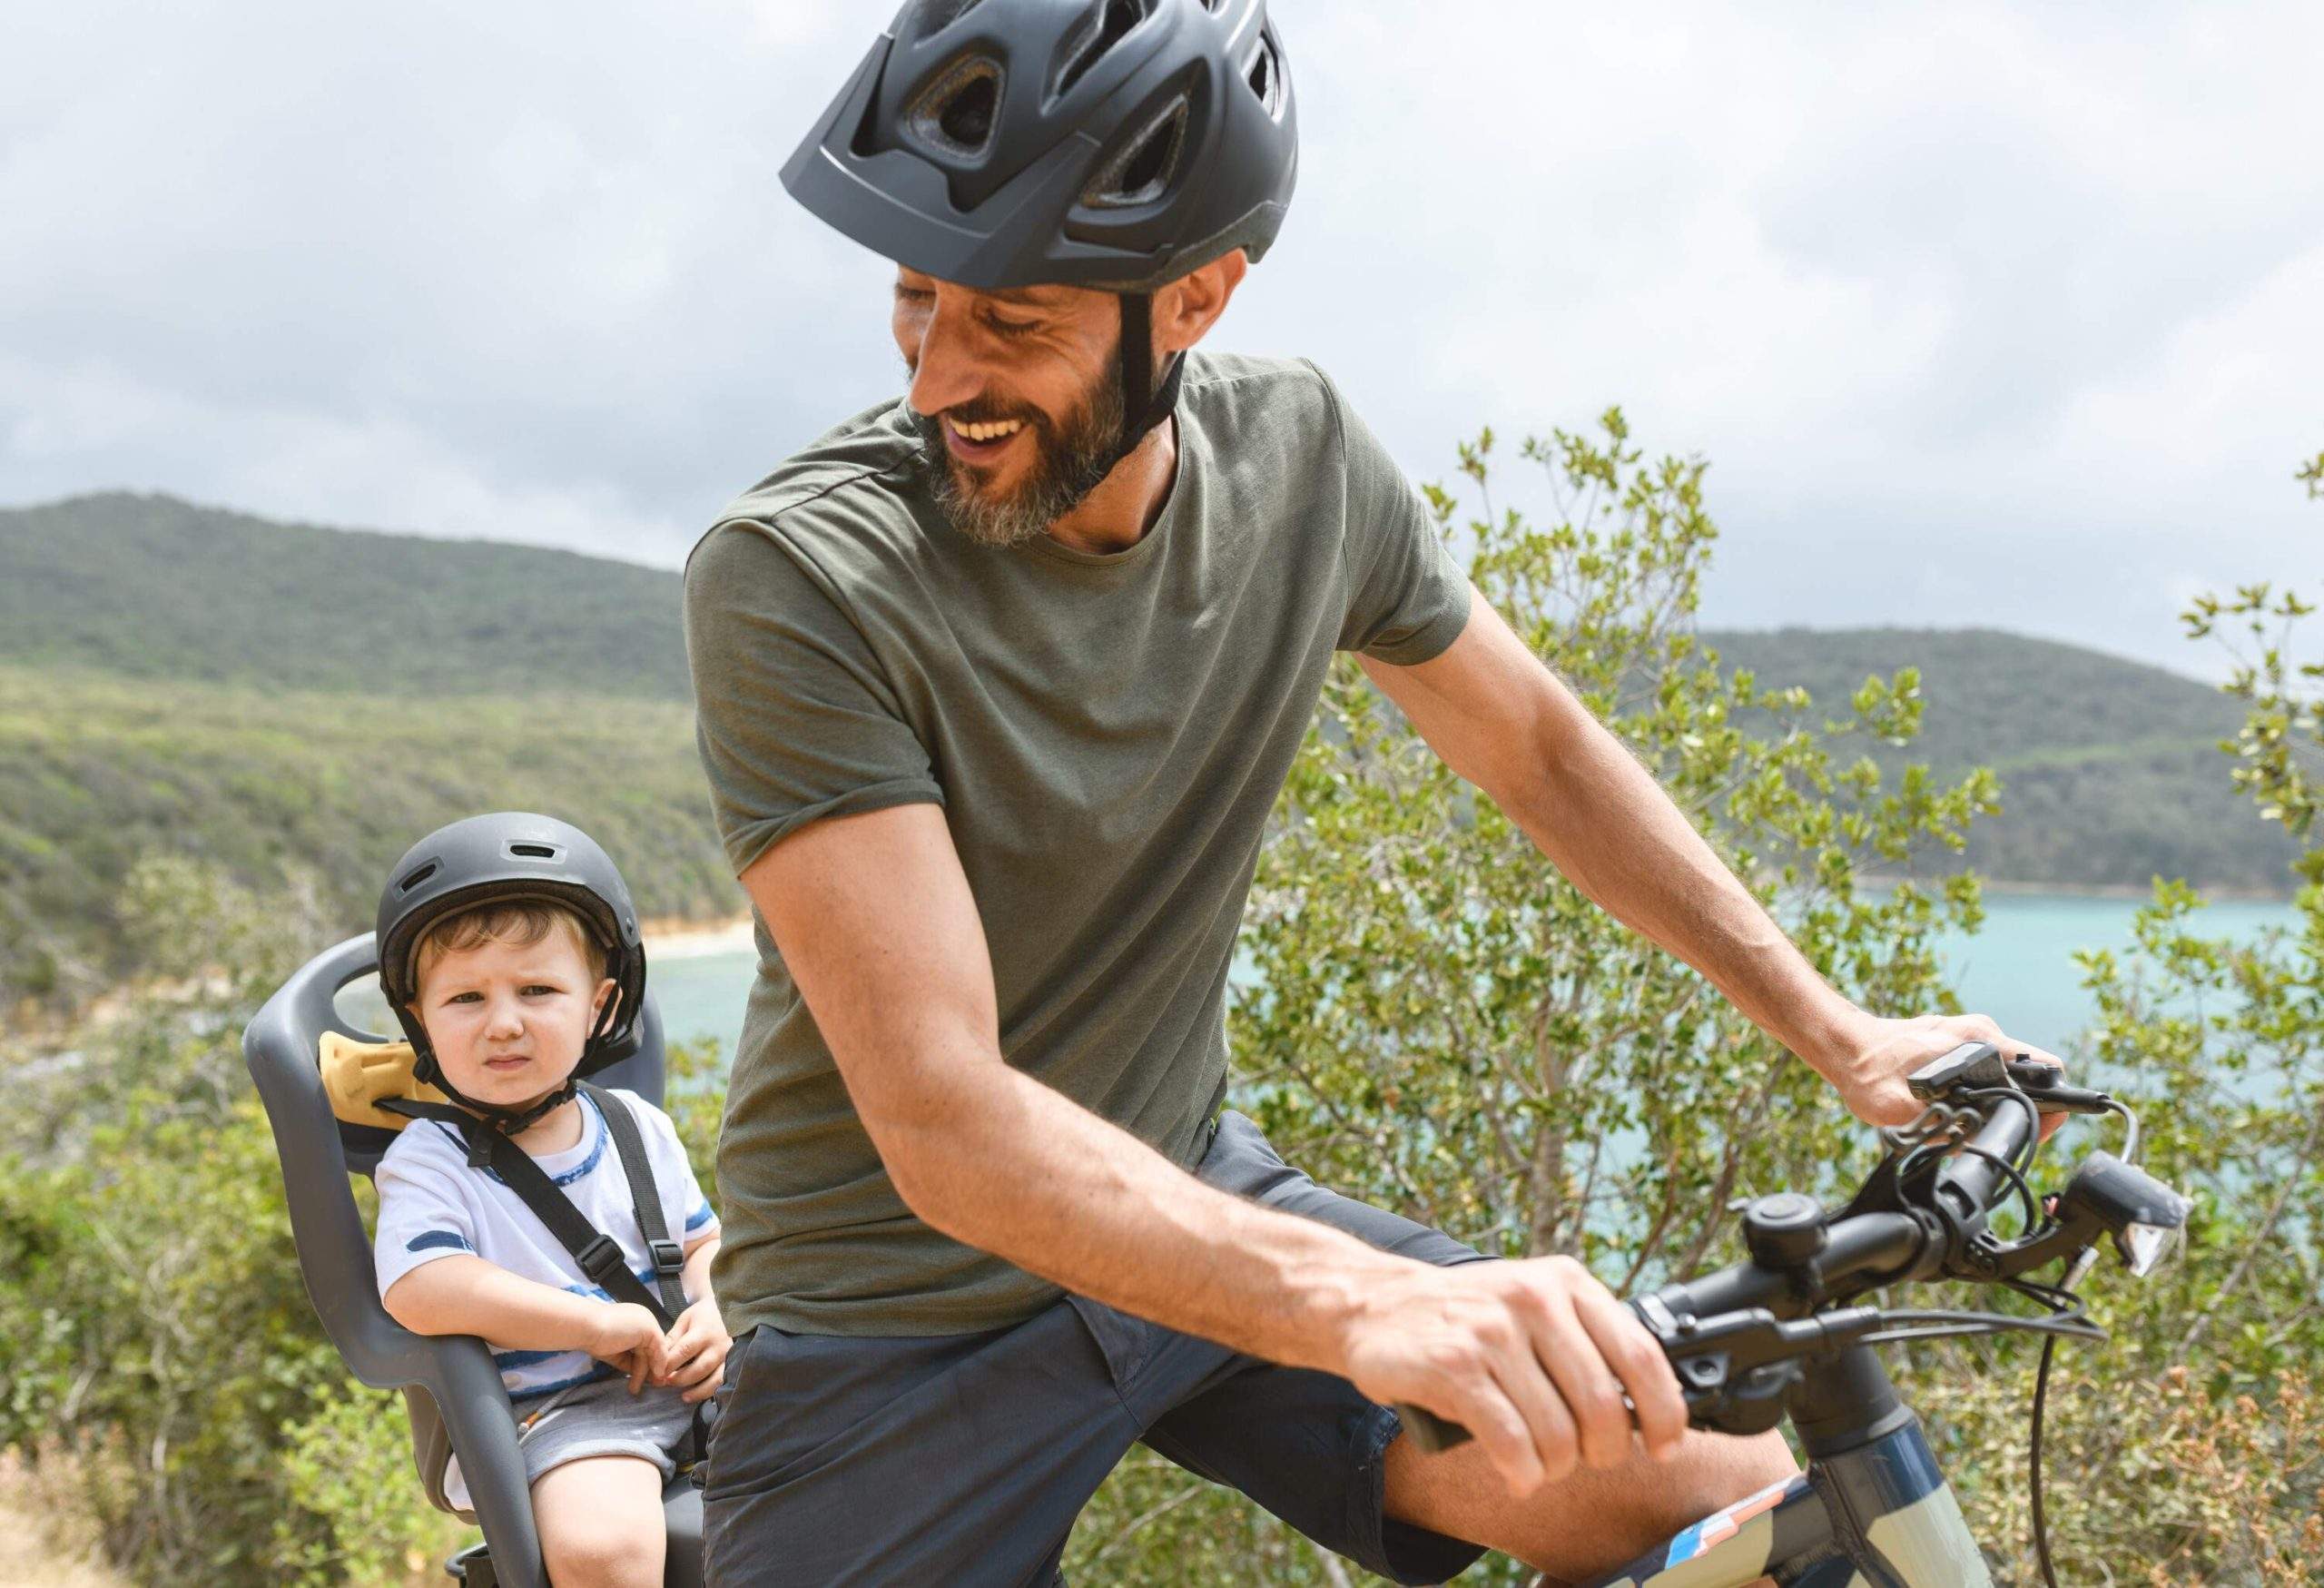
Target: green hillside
x=2111 y=769
x=153 y=588
x=98 y=770
x=178 y=678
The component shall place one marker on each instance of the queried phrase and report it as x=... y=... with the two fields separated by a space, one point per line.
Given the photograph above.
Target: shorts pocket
x=1125 y=1342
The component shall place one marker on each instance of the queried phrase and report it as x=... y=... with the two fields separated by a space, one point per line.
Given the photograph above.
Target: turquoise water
x=2019 y=969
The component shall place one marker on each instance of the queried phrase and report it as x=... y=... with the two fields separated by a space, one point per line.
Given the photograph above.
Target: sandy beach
x=679 y=940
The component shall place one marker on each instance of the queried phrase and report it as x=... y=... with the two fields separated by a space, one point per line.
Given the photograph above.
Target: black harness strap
x=629 y=1145
x=669 y=1256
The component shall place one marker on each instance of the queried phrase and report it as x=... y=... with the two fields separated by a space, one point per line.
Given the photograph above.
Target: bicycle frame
x=1872 y=1510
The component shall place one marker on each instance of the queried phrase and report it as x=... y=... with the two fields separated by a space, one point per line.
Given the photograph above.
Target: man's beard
x=1070 y=461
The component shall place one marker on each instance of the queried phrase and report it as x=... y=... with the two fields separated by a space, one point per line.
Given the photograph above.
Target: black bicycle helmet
x=1111 y=144
x=510 y=856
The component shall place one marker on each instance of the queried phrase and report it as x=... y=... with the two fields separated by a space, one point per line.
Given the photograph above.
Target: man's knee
x=1714 y=1470
x=1592 y=1521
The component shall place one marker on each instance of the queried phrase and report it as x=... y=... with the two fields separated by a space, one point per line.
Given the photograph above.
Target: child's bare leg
x=600 y=1520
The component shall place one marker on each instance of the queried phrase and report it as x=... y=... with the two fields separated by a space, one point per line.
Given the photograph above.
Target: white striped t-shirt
x=433 y=1205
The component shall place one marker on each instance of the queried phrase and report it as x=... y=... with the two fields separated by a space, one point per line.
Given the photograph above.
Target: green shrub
x=349 y=1461
x=155 y=1330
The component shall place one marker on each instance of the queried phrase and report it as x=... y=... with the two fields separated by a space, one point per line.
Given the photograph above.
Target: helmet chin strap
x=508 y=1122
x=1143 y=406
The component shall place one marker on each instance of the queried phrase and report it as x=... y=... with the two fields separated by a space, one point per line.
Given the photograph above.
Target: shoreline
x=679 y=939
x=2115 y=891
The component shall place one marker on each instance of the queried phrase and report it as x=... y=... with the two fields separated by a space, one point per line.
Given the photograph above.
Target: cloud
x=1997 y=313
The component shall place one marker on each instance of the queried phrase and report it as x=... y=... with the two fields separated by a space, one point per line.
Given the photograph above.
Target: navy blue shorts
x=965 y=1458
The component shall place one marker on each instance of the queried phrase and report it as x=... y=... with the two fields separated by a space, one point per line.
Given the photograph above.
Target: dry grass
x=49 y=1543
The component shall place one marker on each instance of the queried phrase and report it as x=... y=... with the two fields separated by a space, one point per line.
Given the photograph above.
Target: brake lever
x=2046 y=1085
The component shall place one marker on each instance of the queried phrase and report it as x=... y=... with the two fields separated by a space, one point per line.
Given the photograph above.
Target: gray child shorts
x=597 y=1418
x=964 y=1459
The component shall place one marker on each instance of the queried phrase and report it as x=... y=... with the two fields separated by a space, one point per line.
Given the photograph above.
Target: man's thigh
x=1307 y=1446
x=955 y=1459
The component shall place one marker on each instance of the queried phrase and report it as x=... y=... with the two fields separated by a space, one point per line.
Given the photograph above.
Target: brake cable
x=1944 y=1128
x=2059 y=1300
x=1937 y=1324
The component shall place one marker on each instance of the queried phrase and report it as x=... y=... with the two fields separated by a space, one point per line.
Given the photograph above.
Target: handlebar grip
x=1970 y=1184
x=1432 y=1434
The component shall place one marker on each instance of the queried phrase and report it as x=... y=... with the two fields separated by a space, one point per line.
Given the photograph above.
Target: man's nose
x=506 y=1019
x=946 y=372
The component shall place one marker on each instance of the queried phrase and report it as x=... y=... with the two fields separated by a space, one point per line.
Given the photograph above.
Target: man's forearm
x=1605 y=822
x=1002 y=1162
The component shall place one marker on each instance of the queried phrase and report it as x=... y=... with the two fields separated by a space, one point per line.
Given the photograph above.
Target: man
x=996 y=686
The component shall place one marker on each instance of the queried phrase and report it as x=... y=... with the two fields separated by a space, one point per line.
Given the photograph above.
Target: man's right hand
x=1532 y=1356
x=630 y=1339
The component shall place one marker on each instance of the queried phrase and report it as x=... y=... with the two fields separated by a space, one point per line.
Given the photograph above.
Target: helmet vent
x=1262 y=76
x=1142 y=172
x=533 y=851
x=415 y=878
x=957 y=113
x=1100 y=31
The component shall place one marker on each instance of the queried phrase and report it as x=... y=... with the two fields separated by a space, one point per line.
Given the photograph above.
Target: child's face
x=509 y=1020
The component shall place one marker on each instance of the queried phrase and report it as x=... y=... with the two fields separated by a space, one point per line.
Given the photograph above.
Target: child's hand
x=698 y=1343
x=630 y=1339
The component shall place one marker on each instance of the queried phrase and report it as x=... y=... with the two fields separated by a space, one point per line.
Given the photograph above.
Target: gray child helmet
x=508 y=857
x=1111 y=144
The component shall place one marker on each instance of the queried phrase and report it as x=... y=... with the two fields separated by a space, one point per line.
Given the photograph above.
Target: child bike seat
x=321 y=1080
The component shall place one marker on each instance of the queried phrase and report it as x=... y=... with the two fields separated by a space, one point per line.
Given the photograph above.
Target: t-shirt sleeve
x=1407 y=599
x=793 y=713
x=422 y=1215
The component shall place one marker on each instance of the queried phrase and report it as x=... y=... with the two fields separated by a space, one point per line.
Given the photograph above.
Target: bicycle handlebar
x=1800 y=1266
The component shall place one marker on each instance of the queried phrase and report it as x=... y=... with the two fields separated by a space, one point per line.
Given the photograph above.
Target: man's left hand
x=1871 y=1078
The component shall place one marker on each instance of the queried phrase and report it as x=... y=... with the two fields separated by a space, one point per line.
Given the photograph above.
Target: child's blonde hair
x=518 y=921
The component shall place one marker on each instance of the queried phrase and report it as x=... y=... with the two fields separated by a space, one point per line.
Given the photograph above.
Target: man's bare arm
x=899 y=978
x=875 y=921
x=1504 y=720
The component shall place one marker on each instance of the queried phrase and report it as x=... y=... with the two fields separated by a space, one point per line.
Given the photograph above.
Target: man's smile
x=980 y=443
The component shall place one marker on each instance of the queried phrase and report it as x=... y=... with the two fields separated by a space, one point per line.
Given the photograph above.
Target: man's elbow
x=930 y=1143
x=920 y=1165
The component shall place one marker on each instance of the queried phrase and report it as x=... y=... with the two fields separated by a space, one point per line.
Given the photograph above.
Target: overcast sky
x=1982 y=313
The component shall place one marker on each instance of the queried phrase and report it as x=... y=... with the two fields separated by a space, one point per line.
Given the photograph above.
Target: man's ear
x=1185 y=309
x=606 y=989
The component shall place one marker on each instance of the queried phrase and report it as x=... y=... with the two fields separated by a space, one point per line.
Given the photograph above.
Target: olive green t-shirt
x=1106 y=734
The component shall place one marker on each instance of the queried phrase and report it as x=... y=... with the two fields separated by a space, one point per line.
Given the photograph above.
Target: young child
x=504 y=993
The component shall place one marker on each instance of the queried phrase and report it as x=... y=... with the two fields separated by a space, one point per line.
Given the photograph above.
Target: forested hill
x=150 y=587
x=1997 y=697
x=180 y=680
x=177 y=680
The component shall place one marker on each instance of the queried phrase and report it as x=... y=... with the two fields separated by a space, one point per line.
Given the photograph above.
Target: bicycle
x=1776 y=1337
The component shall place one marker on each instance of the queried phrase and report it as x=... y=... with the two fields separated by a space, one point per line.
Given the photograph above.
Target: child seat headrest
x=359 y=1075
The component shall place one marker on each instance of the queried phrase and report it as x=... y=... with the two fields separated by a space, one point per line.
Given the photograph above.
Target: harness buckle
x=600 y=1258
x=669 y=1256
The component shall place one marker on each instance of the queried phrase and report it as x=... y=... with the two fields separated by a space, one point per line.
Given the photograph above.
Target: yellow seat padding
x=359 y=1076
